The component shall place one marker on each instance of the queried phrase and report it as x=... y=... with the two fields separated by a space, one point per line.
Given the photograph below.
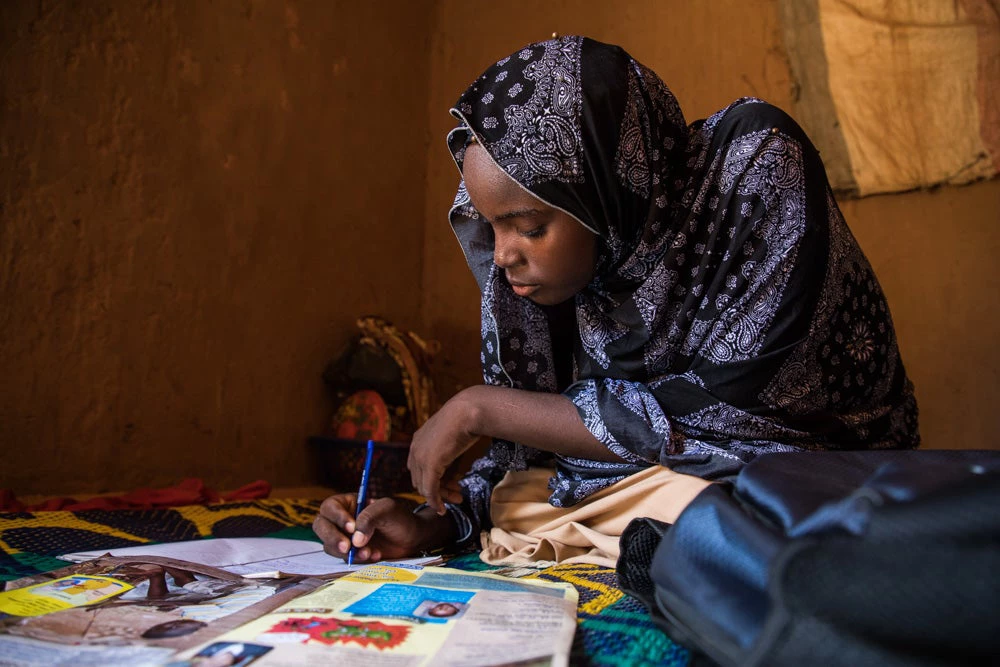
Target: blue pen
x=362 y=494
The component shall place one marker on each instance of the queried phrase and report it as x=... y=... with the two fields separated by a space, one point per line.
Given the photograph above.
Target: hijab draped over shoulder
x=732 y=312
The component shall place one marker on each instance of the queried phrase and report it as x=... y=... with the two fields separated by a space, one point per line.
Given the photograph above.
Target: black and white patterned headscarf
x=732 y=312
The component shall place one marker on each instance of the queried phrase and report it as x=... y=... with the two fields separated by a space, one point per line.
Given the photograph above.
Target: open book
x=250 y=557
x=141 y=605
x=151 y=610
x=393 y=616
x=129 y=610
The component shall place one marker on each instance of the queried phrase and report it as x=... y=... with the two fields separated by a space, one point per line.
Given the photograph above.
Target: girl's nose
x=505 y=253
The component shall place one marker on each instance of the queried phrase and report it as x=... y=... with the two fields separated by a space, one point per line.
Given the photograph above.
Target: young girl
x=660 y=303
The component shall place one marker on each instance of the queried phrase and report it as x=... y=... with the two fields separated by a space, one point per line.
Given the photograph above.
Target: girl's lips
x=524 y=290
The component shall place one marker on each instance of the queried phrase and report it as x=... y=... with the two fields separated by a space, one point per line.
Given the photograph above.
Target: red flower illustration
x=333 y=631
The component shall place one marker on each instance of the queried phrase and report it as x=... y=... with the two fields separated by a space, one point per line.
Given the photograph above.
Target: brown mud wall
x=199 y=198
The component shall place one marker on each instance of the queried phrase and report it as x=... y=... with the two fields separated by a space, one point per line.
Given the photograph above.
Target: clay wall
x=199 y=198
x=198 y=201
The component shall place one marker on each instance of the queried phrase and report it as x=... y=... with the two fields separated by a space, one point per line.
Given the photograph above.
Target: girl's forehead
x=492 y=190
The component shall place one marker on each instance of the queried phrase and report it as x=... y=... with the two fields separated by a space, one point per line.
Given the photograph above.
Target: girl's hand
x=448 y=434
x=549 y=422
x=386 y=529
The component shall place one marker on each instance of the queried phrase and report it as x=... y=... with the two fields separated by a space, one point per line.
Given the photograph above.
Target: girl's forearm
x=549 y=422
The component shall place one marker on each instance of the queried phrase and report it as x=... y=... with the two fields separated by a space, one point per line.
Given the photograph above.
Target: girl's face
x=546 y=255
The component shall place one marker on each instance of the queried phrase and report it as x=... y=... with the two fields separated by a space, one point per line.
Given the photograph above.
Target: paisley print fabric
x=531 y=106
x=732 y=312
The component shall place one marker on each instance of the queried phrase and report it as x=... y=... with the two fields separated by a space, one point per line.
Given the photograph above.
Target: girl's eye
x=535 y=233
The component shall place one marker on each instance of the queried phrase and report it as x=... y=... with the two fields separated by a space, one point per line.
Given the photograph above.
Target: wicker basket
x=343 y=460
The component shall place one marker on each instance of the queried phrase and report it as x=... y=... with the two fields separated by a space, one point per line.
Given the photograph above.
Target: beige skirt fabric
x=526 y=528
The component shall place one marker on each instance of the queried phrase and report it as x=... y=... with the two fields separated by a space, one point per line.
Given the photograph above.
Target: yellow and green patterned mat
x=614 y=629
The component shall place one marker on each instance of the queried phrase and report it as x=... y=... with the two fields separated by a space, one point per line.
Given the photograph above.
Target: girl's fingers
x=430 y=489
x=335 y=542
x=366 y=555
x=375 y=516
x=426 y=482
x=339 y=509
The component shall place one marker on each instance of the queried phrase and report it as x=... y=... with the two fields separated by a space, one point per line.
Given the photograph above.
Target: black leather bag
x=831 y=558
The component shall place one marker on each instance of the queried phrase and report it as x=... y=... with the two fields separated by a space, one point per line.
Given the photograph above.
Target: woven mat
x=29 y=541
x=613 y=629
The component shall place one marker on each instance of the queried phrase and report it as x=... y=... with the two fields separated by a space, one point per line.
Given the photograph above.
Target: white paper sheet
x=254 y=557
